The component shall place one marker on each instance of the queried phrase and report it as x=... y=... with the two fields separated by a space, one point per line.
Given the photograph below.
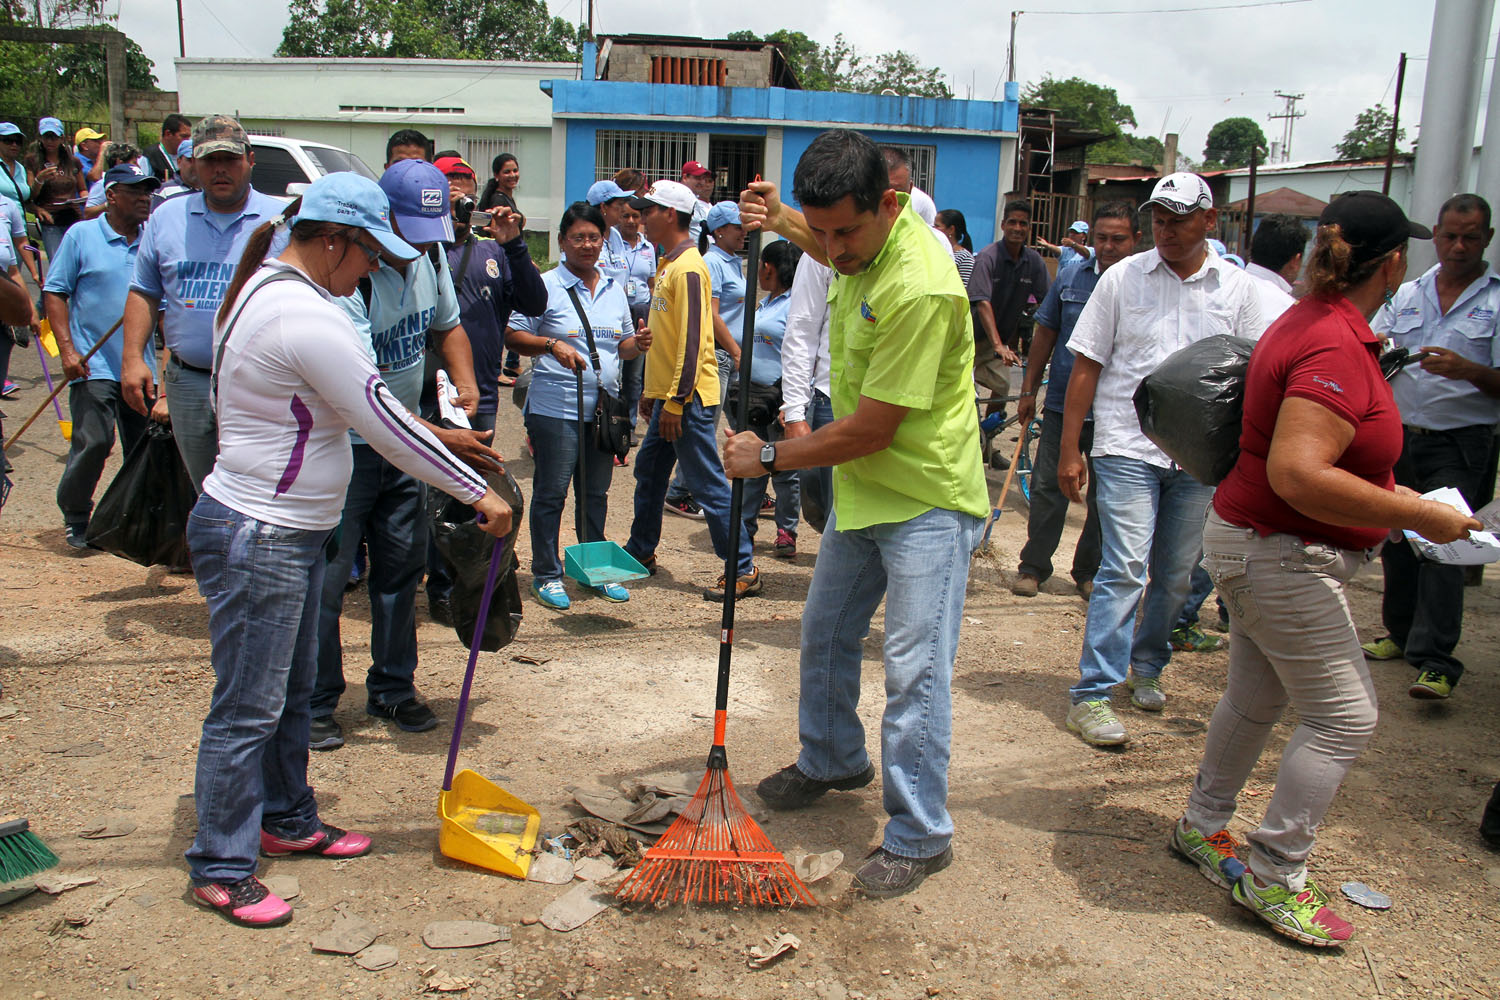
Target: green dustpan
x=594 y=564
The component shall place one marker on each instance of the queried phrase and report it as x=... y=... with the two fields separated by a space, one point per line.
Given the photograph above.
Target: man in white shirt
x=805 y=403
x=1151 y=512
x=1275 y=261
x=899 y=167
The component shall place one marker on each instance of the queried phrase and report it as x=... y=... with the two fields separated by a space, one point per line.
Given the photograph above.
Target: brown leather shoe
x=1025 y=586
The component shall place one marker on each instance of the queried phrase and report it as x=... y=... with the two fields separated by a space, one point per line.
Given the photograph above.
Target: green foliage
x=1370 y=137
x=67 y=81
x=1230 y=142
x=1094 y=106
x=436 y=29
x=842 y=67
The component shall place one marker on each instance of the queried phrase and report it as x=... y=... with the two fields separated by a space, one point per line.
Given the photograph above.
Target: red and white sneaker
x=246 y=902
x=329 y=842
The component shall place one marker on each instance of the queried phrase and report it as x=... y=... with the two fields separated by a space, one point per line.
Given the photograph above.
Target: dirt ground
x=1062 y=885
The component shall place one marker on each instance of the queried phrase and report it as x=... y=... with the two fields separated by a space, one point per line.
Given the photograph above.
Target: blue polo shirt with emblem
x=1414 y=319
x=187 y=258
x=92 y=270
x=727 y=276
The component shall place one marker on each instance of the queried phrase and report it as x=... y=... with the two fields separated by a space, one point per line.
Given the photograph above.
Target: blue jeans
x=1150 y=521
x=261 y=582
x=816 y=485
x=439 y=576
x=703 y=474
x=1200 y=585
x=556 y=443
x=921 y=568
x=384 y=505
x=193 y=424
x=788 y=490
x=679 y=489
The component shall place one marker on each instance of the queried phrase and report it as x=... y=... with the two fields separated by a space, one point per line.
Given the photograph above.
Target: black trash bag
x=466 y=549
x=143 y=515
x=1191 y=406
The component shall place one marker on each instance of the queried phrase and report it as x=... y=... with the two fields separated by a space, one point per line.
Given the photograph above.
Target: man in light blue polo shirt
x=397 y=310
x=186 y=261
x=1449 y=405
x=85 y=297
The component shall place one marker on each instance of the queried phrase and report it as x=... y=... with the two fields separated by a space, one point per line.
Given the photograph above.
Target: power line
x=1168 y=10
x=248 y=50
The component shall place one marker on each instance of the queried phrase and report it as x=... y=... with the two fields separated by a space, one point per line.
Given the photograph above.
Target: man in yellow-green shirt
x=682 y=393
x=909 y=499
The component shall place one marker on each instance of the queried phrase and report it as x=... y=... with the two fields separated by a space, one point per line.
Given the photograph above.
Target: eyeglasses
x=373 y=256
x=584 y=240
x=12 y=139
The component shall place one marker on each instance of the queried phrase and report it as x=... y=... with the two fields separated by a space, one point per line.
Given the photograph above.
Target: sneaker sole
x=1301 y=937
x=682 y=513
x=1184 y=855
x=1094 y=741
x=229 y=915
x=1381 y=659
x=1422 y=692
x=332 y=743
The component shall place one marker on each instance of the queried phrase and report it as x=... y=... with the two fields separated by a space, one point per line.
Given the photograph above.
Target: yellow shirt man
x=681 y=360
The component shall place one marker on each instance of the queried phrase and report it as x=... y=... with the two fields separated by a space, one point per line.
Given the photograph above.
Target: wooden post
x=1247 y=228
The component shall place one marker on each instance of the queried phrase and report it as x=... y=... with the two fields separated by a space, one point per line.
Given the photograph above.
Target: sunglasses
x=8 y=139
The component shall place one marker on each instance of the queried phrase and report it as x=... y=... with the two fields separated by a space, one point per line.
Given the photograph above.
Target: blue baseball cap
x=1234 y=259
x=418 y=194
x=9 y=128
x=1218 y=245
x=725 y=213
x=603 y=191
x=1079 y=227
x=128 y=174
x=352 y=200
x=51 y=125
x=185 y=148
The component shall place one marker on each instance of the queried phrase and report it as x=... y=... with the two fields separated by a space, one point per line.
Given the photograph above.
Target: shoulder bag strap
x=229 y=328
x=463 y=263
x=588 y=331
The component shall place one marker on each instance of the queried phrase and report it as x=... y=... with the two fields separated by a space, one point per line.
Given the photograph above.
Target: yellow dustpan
x=479 y=822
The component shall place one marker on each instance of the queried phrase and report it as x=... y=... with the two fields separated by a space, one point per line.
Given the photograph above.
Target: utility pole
x=181 y=38
x=1390 y=150
x=1010 y=57
x=1289 y=115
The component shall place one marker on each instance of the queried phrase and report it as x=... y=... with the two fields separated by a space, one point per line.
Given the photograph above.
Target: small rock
x=463 y=934
x=530 y=919
x=132 y=982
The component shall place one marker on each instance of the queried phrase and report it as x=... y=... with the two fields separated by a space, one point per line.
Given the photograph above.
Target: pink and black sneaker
x=246 y=902
x=329 y=842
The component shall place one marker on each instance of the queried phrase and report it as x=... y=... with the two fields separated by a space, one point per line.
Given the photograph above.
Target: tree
x=1230 y=142
x=842 y=67
x=1370 y=137
x=67 y=81
x=437 y=29
x=1099 y=108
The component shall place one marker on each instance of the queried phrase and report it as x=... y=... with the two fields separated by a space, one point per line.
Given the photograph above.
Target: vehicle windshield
x=331 y=161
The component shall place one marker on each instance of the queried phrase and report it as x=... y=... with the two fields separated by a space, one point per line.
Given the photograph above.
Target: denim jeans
x=703 y=474
x=921 y=568
x=1200 y=585
x=52 y=237
x=1423 y=604
x=261 y=582
x=1292 y=641
x=1150 y=523
x=384 y=505
x=556 y=443
x=1048 y=510
x=193 y=424
x=816 y=485
x=439 y=576
x=97 y=408
x=679 y=488
x=788 y=490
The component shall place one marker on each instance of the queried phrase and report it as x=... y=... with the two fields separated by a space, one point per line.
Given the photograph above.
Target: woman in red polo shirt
x=1310 y=500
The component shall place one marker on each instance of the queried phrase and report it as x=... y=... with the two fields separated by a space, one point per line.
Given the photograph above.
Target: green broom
x=22 y=855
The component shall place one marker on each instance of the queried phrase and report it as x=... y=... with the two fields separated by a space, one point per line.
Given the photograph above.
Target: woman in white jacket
x=291 y=377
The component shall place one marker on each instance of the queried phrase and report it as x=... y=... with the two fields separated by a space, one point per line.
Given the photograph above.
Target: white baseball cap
x=673 y=194
x=1182 y=192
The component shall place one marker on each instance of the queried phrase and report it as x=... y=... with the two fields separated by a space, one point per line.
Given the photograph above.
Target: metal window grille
x=657 y=154
x=480 y=151
x=923 y=164
x=269 y=130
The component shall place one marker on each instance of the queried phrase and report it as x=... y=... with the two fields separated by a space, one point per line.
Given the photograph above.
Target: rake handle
x=717 y=758
x=497 y=555
x=102 y=341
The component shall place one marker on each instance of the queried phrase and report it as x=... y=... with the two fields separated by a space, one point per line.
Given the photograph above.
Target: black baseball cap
x=1372 y=224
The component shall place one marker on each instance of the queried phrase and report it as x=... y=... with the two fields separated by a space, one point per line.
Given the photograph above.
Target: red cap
x=692 y=168
x=453 y=165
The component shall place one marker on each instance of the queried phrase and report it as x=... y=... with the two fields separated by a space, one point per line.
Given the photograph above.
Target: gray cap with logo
x=219 y=134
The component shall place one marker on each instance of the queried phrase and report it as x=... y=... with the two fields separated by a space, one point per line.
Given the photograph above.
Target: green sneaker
x=1382 y=649
x=1095 y=722
x=1301 y=916
x=1430 y=685
x=1216 y=856
x=1146 y=693
x=1192 y=639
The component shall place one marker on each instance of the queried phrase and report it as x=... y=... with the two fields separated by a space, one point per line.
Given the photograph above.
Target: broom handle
x=1014 y=458
x=102 y=341
x=580 y=521
x=41 y=353
x=496 y=556
x=717 y=758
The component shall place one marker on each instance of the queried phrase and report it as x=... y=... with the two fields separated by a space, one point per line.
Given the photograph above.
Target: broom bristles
x=22 y=853
x=715 y=853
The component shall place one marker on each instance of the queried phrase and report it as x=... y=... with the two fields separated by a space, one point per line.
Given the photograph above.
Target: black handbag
x=765 y=402
x=611 y=414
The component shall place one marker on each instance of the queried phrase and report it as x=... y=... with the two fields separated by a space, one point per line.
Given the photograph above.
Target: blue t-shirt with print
x=554 y=389
x=727 y=277
x=1059 y=311
x=92 y=270
x=770 y=328
x=187 y=259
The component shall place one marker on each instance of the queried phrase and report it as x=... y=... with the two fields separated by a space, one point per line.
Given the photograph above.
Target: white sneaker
x=1146 y=692
x=1095 y=722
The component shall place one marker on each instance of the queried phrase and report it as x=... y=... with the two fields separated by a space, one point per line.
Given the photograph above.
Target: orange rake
x=714 y=852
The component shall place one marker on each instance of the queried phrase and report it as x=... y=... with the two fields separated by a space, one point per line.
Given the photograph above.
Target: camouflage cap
x=219 y=134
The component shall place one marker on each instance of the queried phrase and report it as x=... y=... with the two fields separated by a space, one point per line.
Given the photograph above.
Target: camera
x=480 y=220
x=463 y=208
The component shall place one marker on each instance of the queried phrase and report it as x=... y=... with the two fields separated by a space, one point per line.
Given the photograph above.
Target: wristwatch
x=768 y=456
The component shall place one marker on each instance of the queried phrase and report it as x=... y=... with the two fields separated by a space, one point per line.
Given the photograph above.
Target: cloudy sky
x=1179 y=70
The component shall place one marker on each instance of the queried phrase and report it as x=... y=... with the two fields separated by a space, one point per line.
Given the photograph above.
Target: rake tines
x=715 y=853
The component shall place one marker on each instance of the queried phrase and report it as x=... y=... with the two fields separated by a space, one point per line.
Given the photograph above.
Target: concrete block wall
x=146 y=107
x=743 y=69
